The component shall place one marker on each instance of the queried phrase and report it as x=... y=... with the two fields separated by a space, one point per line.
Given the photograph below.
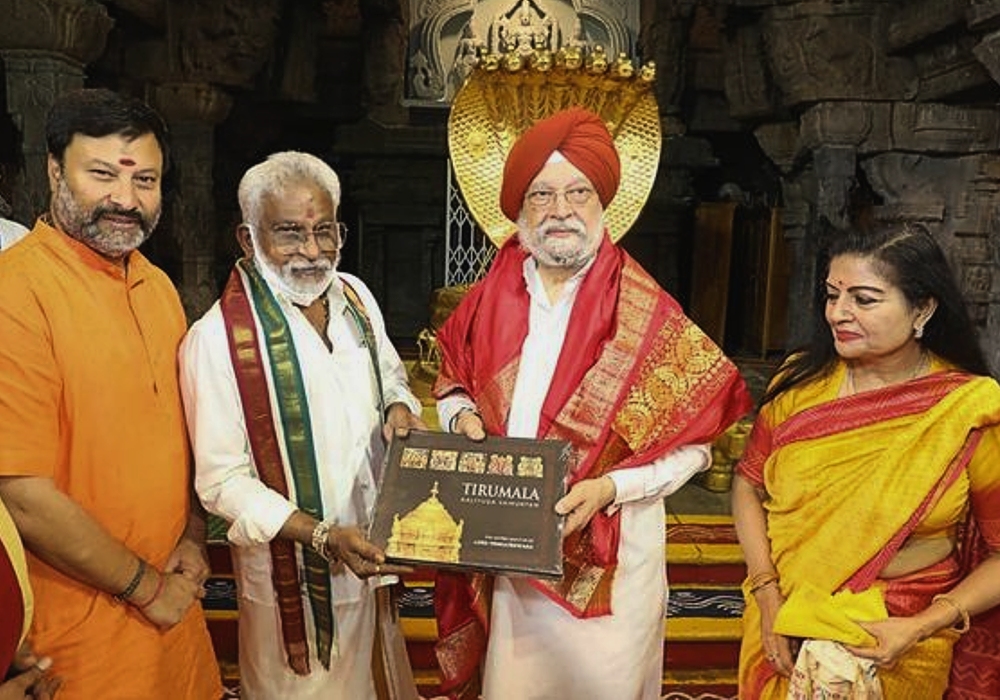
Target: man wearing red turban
x=569 y=338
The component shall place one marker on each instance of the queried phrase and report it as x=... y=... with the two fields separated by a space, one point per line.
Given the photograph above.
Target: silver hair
x=277 y=173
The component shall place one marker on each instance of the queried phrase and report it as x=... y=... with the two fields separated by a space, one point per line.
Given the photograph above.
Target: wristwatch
x=319 y=539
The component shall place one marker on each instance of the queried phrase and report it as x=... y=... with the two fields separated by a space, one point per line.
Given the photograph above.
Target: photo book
x=447 y=501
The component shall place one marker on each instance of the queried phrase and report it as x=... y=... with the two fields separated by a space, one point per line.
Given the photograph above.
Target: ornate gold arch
x=504 y=95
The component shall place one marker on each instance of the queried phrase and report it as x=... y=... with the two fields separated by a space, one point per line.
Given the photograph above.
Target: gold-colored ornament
x=727 y=450
x=502 y=97
x=428 y=533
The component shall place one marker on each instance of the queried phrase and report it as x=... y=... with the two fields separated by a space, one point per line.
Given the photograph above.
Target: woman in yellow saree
x=875 y=450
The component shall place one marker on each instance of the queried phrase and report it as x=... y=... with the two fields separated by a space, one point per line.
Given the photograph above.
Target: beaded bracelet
x=140 y=571
x=962 y=612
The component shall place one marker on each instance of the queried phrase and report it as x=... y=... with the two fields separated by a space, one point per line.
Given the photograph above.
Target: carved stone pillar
x=664 y=39
x=835 y=168
x=962 y=216
x=846 y=58
x=192 y=111
x=384 y=37
x=46 y=47
x=784 y=145
x=987 y=186
x=34 y=80
x=799 y=222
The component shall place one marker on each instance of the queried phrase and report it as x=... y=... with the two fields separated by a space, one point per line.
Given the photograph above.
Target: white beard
x=282 y=280
x=573 y=254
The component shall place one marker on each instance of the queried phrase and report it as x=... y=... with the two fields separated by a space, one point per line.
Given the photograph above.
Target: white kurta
x=342 y=400
x=10 y=233
x=537 y=650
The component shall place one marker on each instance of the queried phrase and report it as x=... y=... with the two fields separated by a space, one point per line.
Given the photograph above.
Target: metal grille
x=468 y=252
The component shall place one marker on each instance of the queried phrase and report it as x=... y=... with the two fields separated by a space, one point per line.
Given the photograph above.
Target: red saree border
x=866 y=575
x=860 y=410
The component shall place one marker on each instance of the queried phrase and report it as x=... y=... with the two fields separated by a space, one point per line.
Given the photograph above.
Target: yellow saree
x=849 y=479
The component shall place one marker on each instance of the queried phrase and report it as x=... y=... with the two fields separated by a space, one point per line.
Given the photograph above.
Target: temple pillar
x=782 y=143
x=192 y=110
x=47 y=46
x=800 y=230
x=34 y=80
x=384 y=33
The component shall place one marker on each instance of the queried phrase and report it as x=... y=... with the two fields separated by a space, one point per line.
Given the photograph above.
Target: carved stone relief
x=780 y=142
x=950 y=69
x=866 y=126
x=76 y=29
x=747 y=82
x=192 y=110
x=34 y=80
x=222 y=41
x=962 y=215
x=840 y=114
x=385 y=60
x=446 y=36
x=819 y=51
x=664 y=40
x=45 y=47
x=988 y=53
x=982 y=12
x=941 y=128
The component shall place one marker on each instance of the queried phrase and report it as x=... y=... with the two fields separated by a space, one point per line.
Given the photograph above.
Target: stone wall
x=889 y=103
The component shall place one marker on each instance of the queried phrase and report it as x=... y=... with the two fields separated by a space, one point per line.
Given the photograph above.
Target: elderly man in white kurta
x=567 y=337
x=290 y=386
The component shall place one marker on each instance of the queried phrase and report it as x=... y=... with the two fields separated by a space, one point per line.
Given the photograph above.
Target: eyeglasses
x=574 y=196
x=290 y=238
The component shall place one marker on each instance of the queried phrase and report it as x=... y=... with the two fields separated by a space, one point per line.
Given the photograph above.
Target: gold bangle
x=762 y=577
x=765 y=584
x=963 y=614
x=758 y=581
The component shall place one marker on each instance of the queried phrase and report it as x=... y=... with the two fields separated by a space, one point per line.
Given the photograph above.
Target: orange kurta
x=89 y=397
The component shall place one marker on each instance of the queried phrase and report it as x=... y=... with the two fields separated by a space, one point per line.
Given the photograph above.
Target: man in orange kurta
x=94 y=459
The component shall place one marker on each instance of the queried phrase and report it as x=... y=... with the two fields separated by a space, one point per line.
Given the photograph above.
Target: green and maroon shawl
x=293 y=414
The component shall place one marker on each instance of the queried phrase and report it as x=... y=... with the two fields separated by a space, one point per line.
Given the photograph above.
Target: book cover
x=447 y=501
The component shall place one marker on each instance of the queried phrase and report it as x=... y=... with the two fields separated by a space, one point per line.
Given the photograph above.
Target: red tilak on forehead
x=126 y=162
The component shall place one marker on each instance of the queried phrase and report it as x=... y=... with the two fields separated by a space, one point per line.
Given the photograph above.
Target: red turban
x=576 y=133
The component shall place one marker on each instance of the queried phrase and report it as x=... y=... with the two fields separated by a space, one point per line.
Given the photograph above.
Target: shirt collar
x=536 y=290
x=65 y=246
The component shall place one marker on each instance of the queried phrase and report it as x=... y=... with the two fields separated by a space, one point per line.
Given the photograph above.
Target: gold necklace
x=918 y=369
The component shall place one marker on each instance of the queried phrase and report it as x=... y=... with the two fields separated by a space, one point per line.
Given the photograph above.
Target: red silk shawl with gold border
x=635 y=380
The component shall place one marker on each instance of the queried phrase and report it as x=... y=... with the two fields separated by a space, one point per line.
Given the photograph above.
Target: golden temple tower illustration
x=428 y=532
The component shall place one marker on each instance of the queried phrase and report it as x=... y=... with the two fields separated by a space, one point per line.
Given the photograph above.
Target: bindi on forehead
x=126 y=162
